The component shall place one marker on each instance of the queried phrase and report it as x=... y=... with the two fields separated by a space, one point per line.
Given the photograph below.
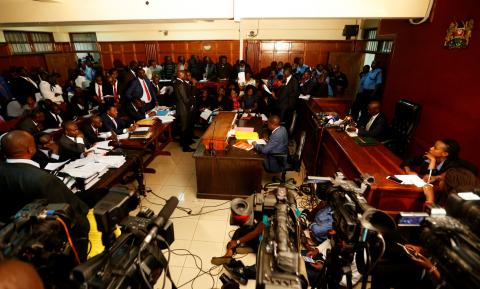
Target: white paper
x=50 y=130
x=206 y=114
x=266 y=89
x=351 y=133
x=265 y=81
x=105 y=134
x=264 y=117
x=241 y=77
x=54 y=166
x=306 y=97
x=122 y=136
x=142 y=128
x=258 y=141
x=469 y=196
x=411 y=180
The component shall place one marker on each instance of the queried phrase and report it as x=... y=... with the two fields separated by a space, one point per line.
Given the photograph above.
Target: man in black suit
x=112 y=123
x=307 y=83
x=224 y=69
x=78 y=107
x=97 y=90
x=185 y=104
x=136 y=110
x=53 y=119
x=91 y=130
x=47 y=152
x=23 y=86
x=374 y=124
x=113 y=86
x=142 y=88
x=72 y=142
x=22 y=182
x=286 y=96
x=34 y=123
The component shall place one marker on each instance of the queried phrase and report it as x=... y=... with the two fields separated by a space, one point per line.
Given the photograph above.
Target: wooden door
x=61 y=63
x=351 y=64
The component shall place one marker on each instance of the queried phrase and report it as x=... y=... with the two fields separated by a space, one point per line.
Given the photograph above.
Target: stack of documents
x=306 y=97
x=112 y=162
x=141 y=132
x=411 y=180
x=84 y=169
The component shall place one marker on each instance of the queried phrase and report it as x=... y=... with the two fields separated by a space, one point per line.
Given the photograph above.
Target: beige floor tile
x=184 y=179
x=177 y=257
x=209 y=230
x=204 y=281
x=174 y=272
x=172 y=191
x=229 y=230
x=155 y=179
x=184 y=228
x=220 y=213
x=191 y=195
x=204 y=250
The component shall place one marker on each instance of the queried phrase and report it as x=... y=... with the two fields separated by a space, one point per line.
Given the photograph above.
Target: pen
x=429 y=176
x=78 y=166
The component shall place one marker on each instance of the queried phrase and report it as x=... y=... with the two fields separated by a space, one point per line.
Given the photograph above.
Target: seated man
x=137 y=110
x=277 y=144
x=111 y=121
x=443 y=155
x=22 y=182
x=374 y=124
x=92 y=129
x=53 y=118
x=34 y=123
x=47 y=152
x=72 y=143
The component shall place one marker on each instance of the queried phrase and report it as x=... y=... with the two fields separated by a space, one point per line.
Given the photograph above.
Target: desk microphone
x=160 y=221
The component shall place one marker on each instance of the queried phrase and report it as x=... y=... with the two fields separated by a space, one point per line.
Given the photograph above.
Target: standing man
x=185 y=105
x=142 y=88
x=277 y=144
x=286 y=96
x=372 y=83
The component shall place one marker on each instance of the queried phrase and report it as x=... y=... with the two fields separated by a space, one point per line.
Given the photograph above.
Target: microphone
x=160 y=220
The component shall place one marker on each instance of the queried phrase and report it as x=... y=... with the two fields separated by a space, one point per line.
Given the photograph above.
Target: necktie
x=99 y=93
x=115 y=95
x=369 y=124
x=149 y=97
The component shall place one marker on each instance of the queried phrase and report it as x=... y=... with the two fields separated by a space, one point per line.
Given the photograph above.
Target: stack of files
x=141 y=132
x=146 y=122
x=246 y=135
x=102 y=147
x=112 y=162
x=166 y=119
x=84 y=168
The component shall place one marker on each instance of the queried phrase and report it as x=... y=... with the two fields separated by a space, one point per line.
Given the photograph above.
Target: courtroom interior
x=239 y=144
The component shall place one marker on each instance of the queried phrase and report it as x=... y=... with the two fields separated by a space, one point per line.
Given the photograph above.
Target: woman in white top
x=51 y=90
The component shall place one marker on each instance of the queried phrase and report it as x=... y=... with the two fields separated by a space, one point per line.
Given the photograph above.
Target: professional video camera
x=453 y=242
x=279 y=263
x=135 y=259
x=38 y=234
x=357 y=231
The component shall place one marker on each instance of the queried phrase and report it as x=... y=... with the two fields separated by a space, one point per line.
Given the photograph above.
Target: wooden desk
x=332 y=151
x=231 y=173
x=114 y=176
x=151 y=144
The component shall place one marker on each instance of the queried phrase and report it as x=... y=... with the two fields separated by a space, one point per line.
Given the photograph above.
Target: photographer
x=22 y=181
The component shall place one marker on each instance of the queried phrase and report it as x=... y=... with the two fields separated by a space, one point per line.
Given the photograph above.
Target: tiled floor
x=205 y=235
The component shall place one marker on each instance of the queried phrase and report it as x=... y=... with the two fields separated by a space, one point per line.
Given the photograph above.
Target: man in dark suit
x=77 y=107
x=48 y=150
x=224 y=69
x=307 y=83
x=113 y=86
x=112 y=123
x=53 y=119
x=184 y=113
x=141 y=87
x=22 y=182
x=374 y=124
x=277 y=144
x=72 y=142
x=136 y=110
x=91 y=130
x=287 y=95
x=97 y=90
x=34 y=123
x=23 y=86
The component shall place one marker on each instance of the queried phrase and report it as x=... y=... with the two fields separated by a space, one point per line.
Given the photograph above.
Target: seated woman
x=249 y=101
x=204 y=101
x=221 y=101
x=235 y=98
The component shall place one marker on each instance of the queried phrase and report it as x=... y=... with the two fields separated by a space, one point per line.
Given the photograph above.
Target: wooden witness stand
x=223 y=171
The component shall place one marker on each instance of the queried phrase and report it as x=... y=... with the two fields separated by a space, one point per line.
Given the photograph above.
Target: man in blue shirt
x=277 y=144
x=372 y=82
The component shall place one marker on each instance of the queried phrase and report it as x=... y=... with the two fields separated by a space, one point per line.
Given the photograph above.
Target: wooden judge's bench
x=223 y=171
x=327 y=151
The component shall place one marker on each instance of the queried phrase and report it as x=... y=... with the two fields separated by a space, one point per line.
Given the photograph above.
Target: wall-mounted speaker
x=350 y=30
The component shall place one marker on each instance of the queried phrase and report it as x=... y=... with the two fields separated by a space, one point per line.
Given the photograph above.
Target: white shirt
x=288 y=79
x=30 y=80
x=79 y=81
x=97 y=86
x=23 y=161
x=48 y=92
x=76 y=140
x=58 y=118
x=370 y=122
x=114 y=121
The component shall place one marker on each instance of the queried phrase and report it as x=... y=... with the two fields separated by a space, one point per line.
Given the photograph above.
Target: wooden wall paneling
x=61 y=63
x=351 y=64
x=150 y=51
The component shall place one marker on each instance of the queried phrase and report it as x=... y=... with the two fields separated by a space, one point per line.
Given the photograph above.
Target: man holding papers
x=72 y=143
x=277 y=144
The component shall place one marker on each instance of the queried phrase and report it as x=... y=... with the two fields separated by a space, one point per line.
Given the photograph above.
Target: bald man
x=374 y=124
x=276 y=144
x=22 y=181
x=15 y=274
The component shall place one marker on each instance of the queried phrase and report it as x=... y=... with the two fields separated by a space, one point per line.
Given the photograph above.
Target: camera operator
x=15 y=274
x=22 y=181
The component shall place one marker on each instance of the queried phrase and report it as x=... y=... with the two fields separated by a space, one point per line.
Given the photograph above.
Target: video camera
x=37 y=236
x=453 y=241
x=357 y=230
x=134 y=260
